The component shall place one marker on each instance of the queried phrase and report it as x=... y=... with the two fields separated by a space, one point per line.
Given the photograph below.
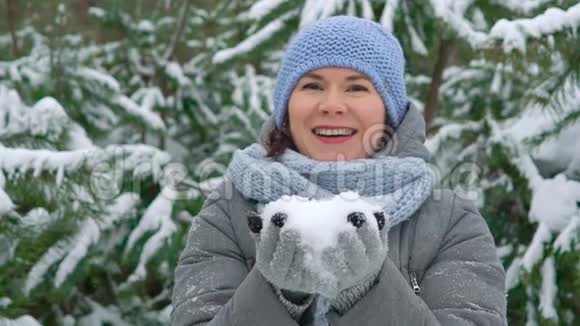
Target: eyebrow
x=356 y=77
x=349 y=78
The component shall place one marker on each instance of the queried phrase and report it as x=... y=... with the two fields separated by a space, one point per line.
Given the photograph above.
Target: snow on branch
x=38 y=219
x=554 y=202
x=524 y=7
x=367 y=9
x=24 y=320
x=149 y=97
x=46 y=118
x=515 y=32
x=129 y=157
x=97 y=12
x=173 y=70
x=568 y=235
x=535 y=250
x=6 y=204
x=549 y=290
x=150 y=118
x=261 y=9
x=102 y=78
x=452 y=15
x=417 y=43
x=40 y=268
x=387 y=17
x=314 y=10
x=157 y=218
x=449 y=131
x=251 y=88
x=72 y=249
x=254 y=40
x=512 y=33
x=90 y=233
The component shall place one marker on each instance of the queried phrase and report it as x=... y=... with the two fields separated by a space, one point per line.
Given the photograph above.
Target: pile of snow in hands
x=319 y=222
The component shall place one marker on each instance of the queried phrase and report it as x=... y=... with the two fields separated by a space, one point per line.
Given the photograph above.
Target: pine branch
x=156 y=218
x=559 y=92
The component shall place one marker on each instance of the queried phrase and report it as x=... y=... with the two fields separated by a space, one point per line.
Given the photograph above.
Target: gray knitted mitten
x=287 y=262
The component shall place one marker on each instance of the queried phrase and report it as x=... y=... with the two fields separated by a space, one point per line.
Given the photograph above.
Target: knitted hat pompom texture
x=345 y=42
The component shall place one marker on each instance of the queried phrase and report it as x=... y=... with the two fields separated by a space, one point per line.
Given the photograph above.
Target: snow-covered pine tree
x=67 y=205
x=513 y=111
x=143 y=74
x=85 y=214
x=166 y=63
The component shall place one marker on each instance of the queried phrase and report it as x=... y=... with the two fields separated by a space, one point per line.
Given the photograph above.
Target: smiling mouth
x=334 y=132
x=333 y=135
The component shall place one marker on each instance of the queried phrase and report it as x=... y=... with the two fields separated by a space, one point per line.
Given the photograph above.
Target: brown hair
x=279 y=140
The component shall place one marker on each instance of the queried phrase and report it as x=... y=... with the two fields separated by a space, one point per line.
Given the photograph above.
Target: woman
x=339 y=91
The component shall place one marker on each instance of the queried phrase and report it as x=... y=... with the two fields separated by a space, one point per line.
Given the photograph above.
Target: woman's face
x=336 y=114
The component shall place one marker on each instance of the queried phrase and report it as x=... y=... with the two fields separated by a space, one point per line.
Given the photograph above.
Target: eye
x=358 y=88
x=315 y=86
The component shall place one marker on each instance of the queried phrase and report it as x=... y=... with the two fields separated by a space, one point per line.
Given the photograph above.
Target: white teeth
x=333 y=132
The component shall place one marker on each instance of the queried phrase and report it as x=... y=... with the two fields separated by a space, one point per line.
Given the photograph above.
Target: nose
x=332 y=103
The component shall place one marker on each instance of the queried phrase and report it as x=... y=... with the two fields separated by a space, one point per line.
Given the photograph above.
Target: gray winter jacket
x=442 y=267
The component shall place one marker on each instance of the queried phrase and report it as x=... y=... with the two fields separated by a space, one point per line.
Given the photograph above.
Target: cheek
x=373 y=114
x=372 y=119
x=299 y=109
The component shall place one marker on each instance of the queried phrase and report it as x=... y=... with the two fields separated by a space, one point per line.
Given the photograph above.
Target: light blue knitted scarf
x=399 y=185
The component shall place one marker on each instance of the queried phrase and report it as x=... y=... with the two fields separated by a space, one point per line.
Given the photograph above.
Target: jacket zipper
x=414 y=283
x=412 y=274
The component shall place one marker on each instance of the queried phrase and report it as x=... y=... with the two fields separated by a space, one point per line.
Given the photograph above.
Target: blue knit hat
x=345 y=42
